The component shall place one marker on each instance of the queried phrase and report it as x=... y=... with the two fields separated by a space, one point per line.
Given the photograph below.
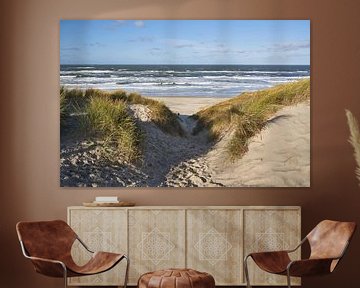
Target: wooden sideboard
x=212 y=239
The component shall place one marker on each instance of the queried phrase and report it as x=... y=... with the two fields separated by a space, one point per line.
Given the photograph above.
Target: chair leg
x=65 y=276
x=126 y=271
x=246 y=270
x=288 y=278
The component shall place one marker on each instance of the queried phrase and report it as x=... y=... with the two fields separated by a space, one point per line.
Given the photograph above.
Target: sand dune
x=278 y=156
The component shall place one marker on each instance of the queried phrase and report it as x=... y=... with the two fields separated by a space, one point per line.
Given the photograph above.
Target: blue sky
x=185 y=42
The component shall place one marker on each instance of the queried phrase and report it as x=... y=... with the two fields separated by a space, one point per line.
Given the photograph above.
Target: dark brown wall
x=29 y=118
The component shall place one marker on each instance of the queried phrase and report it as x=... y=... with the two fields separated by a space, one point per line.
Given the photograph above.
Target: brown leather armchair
x=328 y=242
x=48 y=245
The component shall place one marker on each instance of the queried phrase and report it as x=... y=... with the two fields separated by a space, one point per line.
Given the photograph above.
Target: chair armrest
x=280 y=251
x=48 y=267
x=309 y=267
x=271 y=261
x=269 y=253
x=45 y=260
x=83 y=244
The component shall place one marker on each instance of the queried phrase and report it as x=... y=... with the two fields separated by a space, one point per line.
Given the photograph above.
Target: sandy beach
x=188 y=105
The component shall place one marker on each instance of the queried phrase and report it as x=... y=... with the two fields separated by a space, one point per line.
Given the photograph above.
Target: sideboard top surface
x=193 y=207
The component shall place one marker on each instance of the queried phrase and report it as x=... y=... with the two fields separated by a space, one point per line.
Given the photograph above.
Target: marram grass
x=63 y=106
x=110 y=121
x=247 y=113
x=354 y=140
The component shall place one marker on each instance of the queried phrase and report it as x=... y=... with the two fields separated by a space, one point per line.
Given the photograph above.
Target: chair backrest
x=46 y=239
x=329 y=239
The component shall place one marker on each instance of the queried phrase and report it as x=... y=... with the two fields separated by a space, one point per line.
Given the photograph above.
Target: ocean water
x=181 y=80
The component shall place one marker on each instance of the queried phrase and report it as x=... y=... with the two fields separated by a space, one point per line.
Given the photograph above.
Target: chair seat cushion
x=176 y=278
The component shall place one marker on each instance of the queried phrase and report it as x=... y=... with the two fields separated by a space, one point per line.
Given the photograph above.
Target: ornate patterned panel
x=211 y=239
x=267 y=230
x=156 y=240
x=214 y=244
x=101 y=230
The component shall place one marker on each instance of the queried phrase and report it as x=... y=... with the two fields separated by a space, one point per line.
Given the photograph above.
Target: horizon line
x=133 y=64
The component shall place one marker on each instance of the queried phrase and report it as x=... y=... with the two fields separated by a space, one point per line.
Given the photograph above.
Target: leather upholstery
x=329 y=238
x=176 y=278
x=53 y=240
x=47 y=239
x=328 y=241
x=310 y=267
x=272 y=262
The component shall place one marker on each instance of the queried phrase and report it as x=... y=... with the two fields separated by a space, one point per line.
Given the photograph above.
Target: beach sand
x=188 y=105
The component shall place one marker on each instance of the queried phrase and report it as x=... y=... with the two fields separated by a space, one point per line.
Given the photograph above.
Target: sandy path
x=279 y=156
x=188 y=105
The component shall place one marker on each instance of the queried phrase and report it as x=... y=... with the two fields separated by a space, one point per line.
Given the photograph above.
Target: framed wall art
x=185 y=103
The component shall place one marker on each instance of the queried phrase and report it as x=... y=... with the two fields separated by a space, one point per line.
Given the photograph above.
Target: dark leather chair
x=48 y=245
x=328 y=242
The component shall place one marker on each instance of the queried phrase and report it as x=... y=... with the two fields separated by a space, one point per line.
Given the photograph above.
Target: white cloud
x=139 y=23
x=292 y=46
x=181 y=43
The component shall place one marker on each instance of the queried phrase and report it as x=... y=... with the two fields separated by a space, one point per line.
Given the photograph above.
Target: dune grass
x=110 y=121
x=246 y=114
x=105 y=115
x=63 y=106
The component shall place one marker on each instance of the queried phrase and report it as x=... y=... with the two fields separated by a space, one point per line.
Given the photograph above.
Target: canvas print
x=185 y=103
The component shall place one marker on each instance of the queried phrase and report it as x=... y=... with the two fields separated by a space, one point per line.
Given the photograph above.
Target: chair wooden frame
x=304 y=267
x=66 y=271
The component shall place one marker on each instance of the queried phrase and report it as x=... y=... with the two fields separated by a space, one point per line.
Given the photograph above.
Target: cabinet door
x=156 y=240
x=271 y=230
x=100 y=230
x=214 y=244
